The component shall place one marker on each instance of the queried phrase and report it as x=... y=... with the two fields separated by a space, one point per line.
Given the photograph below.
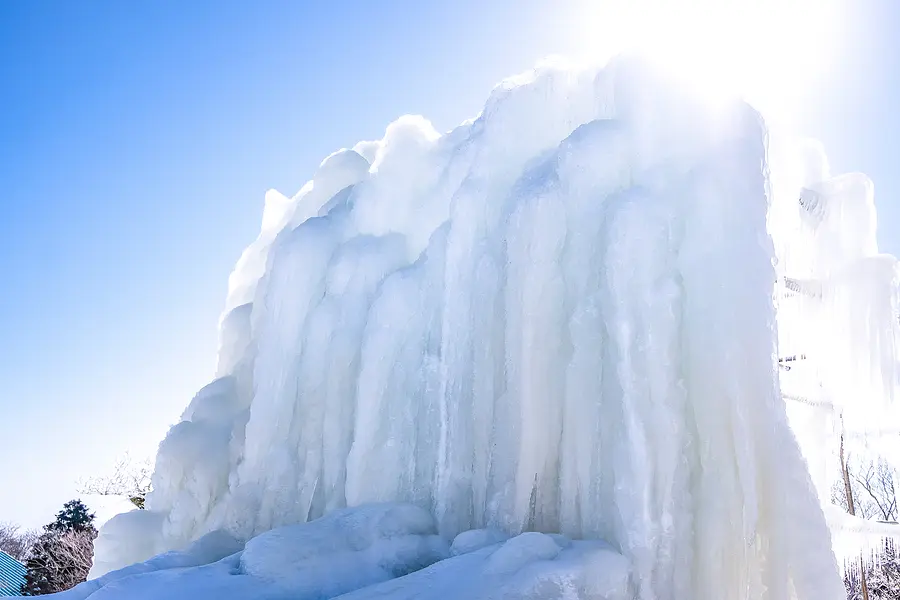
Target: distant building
x=12 y=575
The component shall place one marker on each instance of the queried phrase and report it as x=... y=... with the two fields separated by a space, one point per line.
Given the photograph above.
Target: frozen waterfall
x=563 y=316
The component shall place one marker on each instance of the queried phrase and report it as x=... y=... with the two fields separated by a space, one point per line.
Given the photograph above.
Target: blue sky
x=137 y=141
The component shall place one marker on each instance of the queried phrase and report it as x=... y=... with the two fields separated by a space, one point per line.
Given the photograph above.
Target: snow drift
x=558 y=317
x=368 y=552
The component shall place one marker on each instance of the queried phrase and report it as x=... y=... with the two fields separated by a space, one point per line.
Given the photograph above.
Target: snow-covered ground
x=559 y=317
x=374 y=551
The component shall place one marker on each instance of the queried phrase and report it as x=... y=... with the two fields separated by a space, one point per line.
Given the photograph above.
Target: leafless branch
x=66 y=558
x=129 y=477
x=15 y=541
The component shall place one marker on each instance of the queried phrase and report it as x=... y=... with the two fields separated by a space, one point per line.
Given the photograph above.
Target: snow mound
x=346 y=549
x=531 y=566
x=106 y=506
x=357 y=550
x=476 y=539
x=210 y=548
x=559 y=317
x=125 y=539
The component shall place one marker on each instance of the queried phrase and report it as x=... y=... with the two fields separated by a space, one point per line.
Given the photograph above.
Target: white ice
x=558 y=317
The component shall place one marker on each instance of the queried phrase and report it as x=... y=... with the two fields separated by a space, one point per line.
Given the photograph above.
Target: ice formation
x=559 y=317
x=838 y=326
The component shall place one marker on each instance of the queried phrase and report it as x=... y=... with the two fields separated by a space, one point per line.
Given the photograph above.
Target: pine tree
x=61 y=557
x=73 y=517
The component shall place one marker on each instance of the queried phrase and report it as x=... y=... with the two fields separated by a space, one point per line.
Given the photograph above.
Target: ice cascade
x=558 y=317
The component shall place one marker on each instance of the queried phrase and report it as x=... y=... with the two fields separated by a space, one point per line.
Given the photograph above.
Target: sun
x=765 y=50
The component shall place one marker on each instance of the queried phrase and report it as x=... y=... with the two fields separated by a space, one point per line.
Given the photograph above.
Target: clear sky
x=137 y=141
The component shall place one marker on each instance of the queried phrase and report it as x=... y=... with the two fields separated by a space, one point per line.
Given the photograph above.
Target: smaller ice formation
x=838 y=327
x=369 y=552
x=570 y=316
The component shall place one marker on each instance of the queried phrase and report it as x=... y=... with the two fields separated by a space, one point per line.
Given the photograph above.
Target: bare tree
x=129 y=477
x=882 y=574
x=873 y=487
x=875 y=484
x=867 y=488
x=61 y=557
x=15 y=541
x=72 y=560
x=61 y=561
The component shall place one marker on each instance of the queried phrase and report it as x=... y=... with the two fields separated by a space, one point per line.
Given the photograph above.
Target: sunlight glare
x=764 y=50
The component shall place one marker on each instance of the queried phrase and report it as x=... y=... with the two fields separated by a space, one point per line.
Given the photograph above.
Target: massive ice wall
x=558 y=317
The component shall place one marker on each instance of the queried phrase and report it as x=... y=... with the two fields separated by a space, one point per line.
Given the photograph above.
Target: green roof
x=12 y=575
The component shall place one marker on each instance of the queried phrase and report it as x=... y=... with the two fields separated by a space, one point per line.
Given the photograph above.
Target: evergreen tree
x=73 y=517
x=61 y=557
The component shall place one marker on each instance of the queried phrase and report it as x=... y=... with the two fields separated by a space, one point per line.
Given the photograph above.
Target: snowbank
x=346 y=550
x=532 y=566
x=106 y=506
x=557 y=317
x=369 y=552
x=207 y=550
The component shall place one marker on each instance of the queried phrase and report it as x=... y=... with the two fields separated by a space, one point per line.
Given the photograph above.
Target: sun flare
x=765 y=50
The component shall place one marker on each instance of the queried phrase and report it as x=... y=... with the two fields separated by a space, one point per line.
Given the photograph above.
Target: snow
x=371 y=551
x=531 y=566
x=106 y=506
x=121 y=536
x=561 y=318
x=346 y=550
x=476 y=539
x=209 y=549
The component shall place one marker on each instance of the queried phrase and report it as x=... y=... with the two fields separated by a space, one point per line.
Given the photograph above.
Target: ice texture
x=531 y=566
x=476 y=539
x=559 y=317
x=346 y=550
